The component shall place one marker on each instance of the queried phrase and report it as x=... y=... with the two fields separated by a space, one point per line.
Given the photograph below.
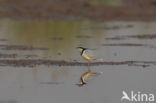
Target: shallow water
x=44 y=82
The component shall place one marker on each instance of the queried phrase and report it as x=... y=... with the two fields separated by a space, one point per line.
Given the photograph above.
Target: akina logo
x=137 y=97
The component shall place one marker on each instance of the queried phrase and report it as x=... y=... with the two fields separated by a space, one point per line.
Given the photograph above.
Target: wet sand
x=39 y=62
x=130 y=45
x=140 y=36
x=20 y=47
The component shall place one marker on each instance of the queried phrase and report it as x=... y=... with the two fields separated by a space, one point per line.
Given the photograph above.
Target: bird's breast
x=87 y=57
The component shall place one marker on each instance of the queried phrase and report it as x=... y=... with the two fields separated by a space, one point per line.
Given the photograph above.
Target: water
x=58 y=41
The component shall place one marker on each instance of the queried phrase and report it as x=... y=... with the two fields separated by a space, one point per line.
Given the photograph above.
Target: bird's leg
x=89 y=67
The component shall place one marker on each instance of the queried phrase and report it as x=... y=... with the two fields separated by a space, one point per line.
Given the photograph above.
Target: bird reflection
x=85 y=76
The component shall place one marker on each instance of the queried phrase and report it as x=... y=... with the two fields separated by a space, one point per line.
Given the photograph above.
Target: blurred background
x=39 y=61
x=78 y=9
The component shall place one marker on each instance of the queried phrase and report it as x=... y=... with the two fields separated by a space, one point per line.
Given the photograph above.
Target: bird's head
x=81 y=48
x=81 y=83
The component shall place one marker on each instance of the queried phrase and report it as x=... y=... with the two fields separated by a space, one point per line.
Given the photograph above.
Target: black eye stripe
x=82 y=51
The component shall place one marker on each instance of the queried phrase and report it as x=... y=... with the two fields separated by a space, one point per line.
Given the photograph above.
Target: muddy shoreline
x=139 y=36
x=59 y=10
x=44 y=62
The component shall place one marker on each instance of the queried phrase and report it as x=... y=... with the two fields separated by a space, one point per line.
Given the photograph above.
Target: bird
x=84 y=77
x=84 y=54
x=81 y=82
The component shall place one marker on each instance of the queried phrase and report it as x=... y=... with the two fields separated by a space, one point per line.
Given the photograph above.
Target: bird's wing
x=89 y=53
x=89 y=76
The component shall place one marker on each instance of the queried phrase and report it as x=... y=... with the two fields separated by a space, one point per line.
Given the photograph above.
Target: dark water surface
x=39 y=62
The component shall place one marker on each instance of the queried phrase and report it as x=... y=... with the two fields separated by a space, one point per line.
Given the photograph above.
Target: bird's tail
x=96 y=73
x=100 y=59
x=92 y=58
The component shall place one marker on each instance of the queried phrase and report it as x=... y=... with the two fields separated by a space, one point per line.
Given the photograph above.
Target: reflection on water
x=57 y=83
x=60 y=37
x=8 y=101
